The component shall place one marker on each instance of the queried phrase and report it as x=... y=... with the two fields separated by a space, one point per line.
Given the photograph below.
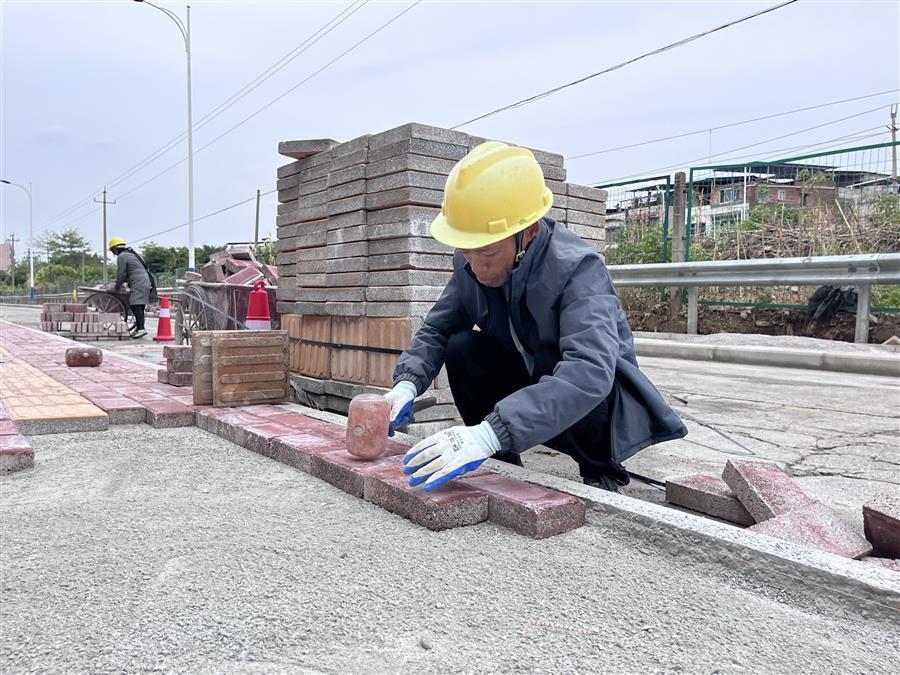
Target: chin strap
x=520 y=251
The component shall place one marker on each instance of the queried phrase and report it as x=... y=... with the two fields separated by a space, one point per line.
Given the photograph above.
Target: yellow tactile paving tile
x=29 y=394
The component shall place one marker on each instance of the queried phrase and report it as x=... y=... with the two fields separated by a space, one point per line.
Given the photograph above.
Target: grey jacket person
x=568 y=318
x=130 y=269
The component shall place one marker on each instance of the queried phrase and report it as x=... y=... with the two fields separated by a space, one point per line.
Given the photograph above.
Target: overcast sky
x=90 y=89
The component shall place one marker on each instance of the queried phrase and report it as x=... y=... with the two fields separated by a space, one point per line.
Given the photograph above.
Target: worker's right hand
x=401 y=400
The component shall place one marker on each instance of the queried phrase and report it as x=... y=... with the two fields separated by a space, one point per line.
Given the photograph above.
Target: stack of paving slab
x=240 y=367
x=358 y=268
x=764 y=497
x=78 y=322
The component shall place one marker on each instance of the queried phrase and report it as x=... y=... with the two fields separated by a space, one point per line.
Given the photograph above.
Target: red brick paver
x=126 y=393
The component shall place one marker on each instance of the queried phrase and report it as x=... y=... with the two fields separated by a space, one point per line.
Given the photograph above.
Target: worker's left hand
x=449 y=453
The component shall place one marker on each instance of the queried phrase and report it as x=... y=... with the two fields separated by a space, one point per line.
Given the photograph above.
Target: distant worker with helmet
x=131 y=269
x=536 y=344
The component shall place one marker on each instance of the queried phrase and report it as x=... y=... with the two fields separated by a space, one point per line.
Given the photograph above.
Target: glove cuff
x=487 y=437
x=501 y=432
x=406 y=387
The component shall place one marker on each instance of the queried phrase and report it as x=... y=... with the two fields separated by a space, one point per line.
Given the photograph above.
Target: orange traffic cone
x=258 y=308
x=164 y=329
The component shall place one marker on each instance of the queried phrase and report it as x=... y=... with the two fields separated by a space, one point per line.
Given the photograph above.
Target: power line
x=731 y=124
x=277 y=98
x=208 y=215
x=753 y=145
x=674 y=45
x=215 y=112
x=856 y=136
x=248 y=88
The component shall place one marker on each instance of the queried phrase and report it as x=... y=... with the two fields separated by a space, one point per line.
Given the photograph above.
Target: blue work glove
x=401 y=400
x=449 y=453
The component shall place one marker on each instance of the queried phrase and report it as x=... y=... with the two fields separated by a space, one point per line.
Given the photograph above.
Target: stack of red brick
x=236 y=266
x=76 y=321
x=15 y=450
x=762 y=496
x=179 y=370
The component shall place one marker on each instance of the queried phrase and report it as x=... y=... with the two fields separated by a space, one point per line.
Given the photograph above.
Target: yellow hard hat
x=492 y=193
x=116 y=241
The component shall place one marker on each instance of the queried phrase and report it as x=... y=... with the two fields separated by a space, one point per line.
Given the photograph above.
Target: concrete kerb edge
x=860 y=364
x=869 y=588
x=746 y=552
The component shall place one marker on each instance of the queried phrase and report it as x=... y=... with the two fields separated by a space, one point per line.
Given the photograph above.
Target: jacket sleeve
x=121 y=270
x=584 y=375
x=421 y=363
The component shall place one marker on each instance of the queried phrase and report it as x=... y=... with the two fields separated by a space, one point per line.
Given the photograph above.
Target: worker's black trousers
x=483 y=371
x=138 y=311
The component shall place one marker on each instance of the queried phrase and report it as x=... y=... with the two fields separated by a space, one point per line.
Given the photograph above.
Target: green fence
x=827 y=203
x=637 y=220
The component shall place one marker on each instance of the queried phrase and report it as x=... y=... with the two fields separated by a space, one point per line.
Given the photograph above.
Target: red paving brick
x=763 y=488
x=881 y=519
x=532 y=510
x=454 y=505
x=259 y=435
x=816 y=526
x=298 y=449
x=348 y=473
x=129 y=394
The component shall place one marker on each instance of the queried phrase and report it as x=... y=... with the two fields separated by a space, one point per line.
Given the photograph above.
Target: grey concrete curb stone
x=863 y=364
x=709 y=495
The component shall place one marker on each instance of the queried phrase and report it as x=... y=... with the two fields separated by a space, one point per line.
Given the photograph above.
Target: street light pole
x=27 y=191
x=186 y=34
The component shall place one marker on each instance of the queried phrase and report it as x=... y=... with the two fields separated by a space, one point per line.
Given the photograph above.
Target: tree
x=67 y=247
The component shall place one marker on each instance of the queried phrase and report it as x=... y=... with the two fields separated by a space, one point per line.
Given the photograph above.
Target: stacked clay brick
x=75 y=321
x=357 y=265
x=179 y=370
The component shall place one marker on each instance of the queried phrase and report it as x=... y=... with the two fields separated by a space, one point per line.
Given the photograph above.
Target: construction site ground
x=173 y=549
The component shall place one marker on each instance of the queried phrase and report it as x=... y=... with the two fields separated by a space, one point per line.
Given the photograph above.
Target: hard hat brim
x=450 y=236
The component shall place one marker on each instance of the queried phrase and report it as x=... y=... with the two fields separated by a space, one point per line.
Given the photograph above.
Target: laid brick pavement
x=50 y=395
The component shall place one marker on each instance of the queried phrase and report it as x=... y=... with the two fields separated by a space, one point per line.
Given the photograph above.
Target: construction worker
x=536 y=344
x=131 y=269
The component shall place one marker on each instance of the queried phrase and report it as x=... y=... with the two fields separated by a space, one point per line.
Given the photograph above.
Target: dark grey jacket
x=569 y=319
x=130 y=269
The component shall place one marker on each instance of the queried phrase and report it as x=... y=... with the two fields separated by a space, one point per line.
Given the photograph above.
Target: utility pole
x=82 y=268
x=12 y=259
x=103 y=242
x=893 y=129
x=256 y=229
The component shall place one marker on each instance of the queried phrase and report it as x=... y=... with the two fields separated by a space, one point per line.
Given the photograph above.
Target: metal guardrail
x=860 y=271
x=39 y=298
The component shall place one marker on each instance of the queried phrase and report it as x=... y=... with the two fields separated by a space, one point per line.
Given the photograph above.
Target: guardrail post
x=863 y=300
x=676 y=234
x=693 y=294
